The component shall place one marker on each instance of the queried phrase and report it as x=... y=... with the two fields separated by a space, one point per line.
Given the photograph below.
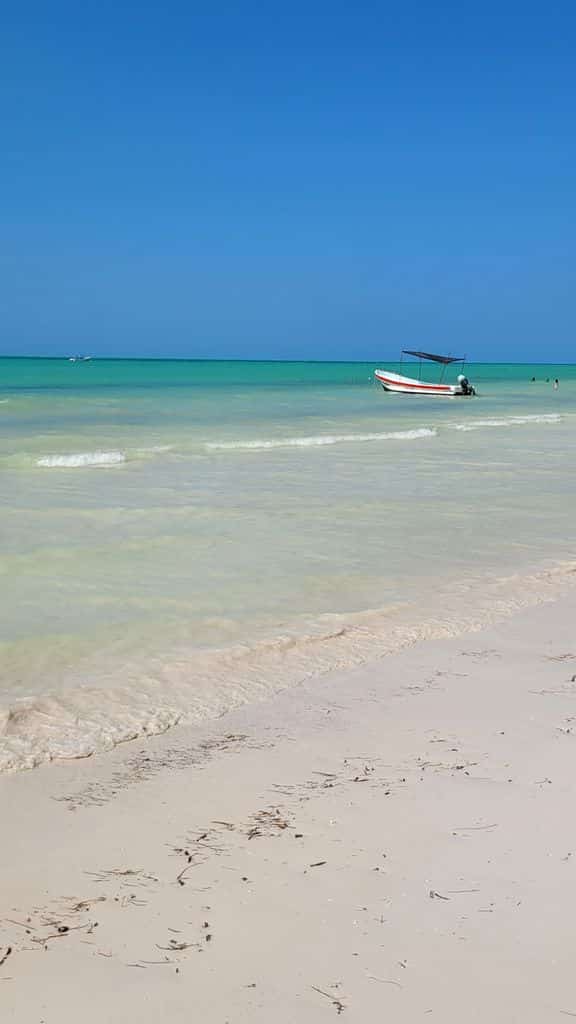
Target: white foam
x=155 y=448
x=509 y=421
x=205 y=684
x=81 y=459
x=321 y=440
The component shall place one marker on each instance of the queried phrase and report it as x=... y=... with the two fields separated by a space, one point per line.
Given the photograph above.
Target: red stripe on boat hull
x=442 y=388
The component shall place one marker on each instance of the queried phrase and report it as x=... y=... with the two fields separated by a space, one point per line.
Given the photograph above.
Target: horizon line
x=224 y=359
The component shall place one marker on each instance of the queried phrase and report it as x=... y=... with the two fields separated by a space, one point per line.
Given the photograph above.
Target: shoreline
x=393 y=839
x=190 y=687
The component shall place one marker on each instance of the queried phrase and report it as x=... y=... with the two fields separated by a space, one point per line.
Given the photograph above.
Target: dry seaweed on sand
x=340 y=1007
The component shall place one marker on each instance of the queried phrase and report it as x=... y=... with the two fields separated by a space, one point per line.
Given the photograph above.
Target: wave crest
x=81 y=459
x=321 y=440
x=508 y=421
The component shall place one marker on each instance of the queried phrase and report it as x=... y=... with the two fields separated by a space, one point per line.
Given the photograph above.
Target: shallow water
x=180 y=536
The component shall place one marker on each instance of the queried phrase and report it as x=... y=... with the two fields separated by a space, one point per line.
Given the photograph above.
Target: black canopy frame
x=432 y=357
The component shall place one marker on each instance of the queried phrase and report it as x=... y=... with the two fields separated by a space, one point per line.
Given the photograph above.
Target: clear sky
x=303 y=180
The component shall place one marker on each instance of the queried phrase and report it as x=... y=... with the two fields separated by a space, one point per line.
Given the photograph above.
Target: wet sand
x=393 y=843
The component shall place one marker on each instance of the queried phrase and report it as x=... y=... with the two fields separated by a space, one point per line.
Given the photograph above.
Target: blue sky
x=317 y=180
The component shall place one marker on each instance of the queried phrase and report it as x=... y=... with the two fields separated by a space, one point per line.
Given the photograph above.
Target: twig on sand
x=559 y=692
x=152 y=963
x=319 y=864
x=475 y=828
x=180 y=877
x=4 y=958
x=129 y=876
x=437 y=895
x=60 y=932
x=384 y=981
x=176 y=947
x=86 y=904
x=335 y=1002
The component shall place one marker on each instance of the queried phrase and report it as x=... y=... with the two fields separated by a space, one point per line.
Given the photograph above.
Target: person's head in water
x=556 y=384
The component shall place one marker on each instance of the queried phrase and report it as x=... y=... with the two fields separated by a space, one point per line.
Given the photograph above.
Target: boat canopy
x=434 y=358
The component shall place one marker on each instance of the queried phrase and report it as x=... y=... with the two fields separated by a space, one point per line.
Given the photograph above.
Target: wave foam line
x=321 y=440
x=207 y=684
x=81 y=459
x=509 y=421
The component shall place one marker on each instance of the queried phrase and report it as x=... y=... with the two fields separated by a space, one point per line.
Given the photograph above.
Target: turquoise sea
x=177 y=537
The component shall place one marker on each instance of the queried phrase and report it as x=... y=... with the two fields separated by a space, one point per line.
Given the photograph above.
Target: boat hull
x=397 y=384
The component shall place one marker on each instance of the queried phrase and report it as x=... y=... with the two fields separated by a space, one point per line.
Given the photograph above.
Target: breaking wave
x=321 y=440
x=110 y=458
x=509 y=421
x=82 y=459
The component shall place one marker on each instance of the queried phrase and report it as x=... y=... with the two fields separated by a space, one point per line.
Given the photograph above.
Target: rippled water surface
x=178 y=536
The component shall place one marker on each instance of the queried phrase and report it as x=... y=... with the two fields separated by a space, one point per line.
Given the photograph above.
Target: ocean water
x=180 y=537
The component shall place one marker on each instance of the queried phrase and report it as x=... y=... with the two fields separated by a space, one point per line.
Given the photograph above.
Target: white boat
x=399 y=384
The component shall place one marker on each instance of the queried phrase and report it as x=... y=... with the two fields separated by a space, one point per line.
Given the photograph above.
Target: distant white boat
x=79 y=359
x=399 y=384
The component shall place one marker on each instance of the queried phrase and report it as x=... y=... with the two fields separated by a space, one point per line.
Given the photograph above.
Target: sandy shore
x=394 y=843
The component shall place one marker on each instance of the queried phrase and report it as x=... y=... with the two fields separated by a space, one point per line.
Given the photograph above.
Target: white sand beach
x=395 y=842
x=287 y=507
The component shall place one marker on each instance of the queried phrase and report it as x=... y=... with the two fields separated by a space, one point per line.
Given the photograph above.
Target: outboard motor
x=465 y=385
